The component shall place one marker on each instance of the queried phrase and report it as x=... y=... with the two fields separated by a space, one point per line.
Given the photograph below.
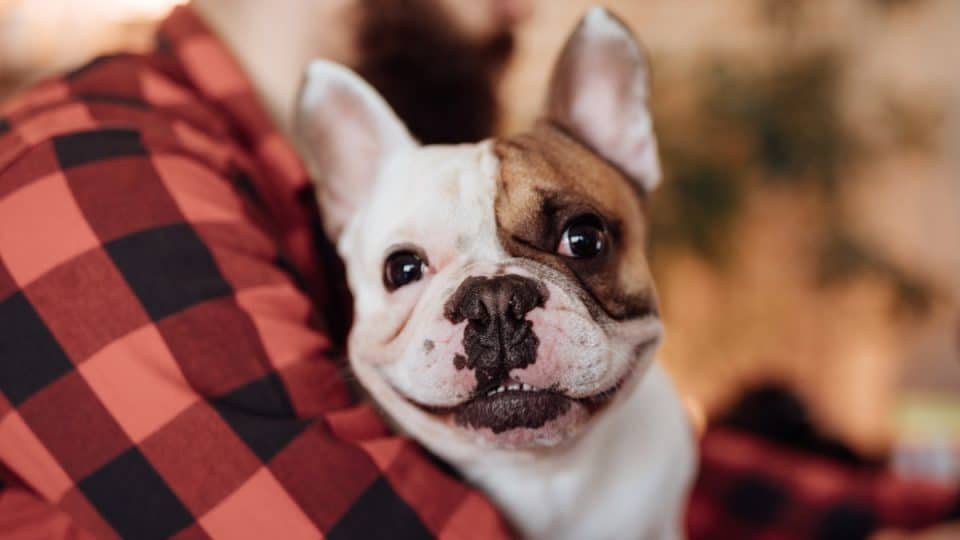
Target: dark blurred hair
x=442 y=84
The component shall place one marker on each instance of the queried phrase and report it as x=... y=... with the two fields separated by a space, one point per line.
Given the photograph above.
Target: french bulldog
x=505 y=315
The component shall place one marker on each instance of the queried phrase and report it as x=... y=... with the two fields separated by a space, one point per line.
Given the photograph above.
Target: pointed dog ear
x=346 y=132
x=599 y=93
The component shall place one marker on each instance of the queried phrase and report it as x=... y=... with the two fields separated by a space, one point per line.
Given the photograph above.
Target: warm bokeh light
x=37 y=38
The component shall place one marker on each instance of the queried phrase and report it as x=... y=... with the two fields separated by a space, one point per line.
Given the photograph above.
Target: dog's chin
x=518 y=416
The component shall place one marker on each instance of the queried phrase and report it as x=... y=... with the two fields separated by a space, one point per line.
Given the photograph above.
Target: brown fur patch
x=546 y=179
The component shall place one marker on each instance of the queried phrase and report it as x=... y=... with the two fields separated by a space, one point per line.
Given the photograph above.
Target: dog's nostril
x=524 y=299
x=472 y=308
x=517 y=307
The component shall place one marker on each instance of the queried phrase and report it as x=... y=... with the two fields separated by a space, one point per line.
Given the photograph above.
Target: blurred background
x=807 y=235
x=808 y=230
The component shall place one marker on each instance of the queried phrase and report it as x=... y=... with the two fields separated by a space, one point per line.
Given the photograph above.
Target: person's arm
x=159 y=374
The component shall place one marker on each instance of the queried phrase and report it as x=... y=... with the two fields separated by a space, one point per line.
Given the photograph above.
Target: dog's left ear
x=599 y=93
x=347 y=133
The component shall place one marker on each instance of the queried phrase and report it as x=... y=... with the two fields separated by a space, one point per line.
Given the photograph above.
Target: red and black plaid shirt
x=162 y=368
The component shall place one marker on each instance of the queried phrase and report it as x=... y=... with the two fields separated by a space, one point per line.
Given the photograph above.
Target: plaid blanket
x=749 y=488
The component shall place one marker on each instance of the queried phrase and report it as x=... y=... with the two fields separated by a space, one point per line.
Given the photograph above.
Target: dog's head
x=502 y=293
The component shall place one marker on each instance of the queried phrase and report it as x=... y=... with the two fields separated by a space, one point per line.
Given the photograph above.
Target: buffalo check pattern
x=750 y=488
x=168 y=331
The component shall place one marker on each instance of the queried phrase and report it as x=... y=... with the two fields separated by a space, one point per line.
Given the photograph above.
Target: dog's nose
x=498 y=337
x=486 y=300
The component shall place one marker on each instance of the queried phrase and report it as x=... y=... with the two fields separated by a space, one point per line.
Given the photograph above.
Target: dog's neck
x=630 y=472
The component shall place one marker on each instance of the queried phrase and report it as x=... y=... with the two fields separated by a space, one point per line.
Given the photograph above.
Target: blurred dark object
x=750 y=488
x=842 y=258
x=441 y=83
x=774 y=413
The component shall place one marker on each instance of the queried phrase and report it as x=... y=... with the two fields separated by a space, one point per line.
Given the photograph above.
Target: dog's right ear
x=346 y=132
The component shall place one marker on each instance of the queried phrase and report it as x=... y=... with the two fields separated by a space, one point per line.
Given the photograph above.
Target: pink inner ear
x=595 y=108
x=347 y=132
x=599 y=93
x=358 y=148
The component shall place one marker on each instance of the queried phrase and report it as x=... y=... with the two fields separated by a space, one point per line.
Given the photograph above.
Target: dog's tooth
x=513 y=387
x=526 y=387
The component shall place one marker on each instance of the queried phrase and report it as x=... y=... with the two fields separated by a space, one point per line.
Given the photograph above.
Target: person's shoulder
x=113 y=149
x=113 y=106
x=120 y=158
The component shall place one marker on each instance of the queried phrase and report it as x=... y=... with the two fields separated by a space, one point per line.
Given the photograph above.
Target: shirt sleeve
x=161 y=373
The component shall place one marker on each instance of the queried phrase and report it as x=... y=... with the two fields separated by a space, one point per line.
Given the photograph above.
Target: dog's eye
x=402 y=268
x=585 y=237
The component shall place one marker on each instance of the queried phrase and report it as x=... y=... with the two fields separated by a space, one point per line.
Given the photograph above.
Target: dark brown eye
x=402 y=268
x=584 y=238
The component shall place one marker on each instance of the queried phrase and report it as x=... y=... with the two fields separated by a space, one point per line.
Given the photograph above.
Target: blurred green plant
x=699 y=203
x=776 y=125
x=787 y=118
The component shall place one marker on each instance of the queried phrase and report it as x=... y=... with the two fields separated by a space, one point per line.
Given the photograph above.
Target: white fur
x=625 y=478
x=434 y=198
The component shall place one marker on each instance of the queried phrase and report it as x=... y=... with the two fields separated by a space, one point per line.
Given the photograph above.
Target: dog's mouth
x=515 y=405
x=514 y=414
x=518 y=405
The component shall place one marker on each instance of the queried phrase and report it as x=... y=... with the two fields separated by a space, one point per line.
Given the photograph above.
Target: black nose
x=487 y=300
x=498 y=337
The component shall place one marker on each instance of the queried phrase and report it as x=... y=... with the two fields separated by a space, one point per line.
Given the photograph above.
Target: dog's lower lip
x=506 y=408
x=511 y=409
